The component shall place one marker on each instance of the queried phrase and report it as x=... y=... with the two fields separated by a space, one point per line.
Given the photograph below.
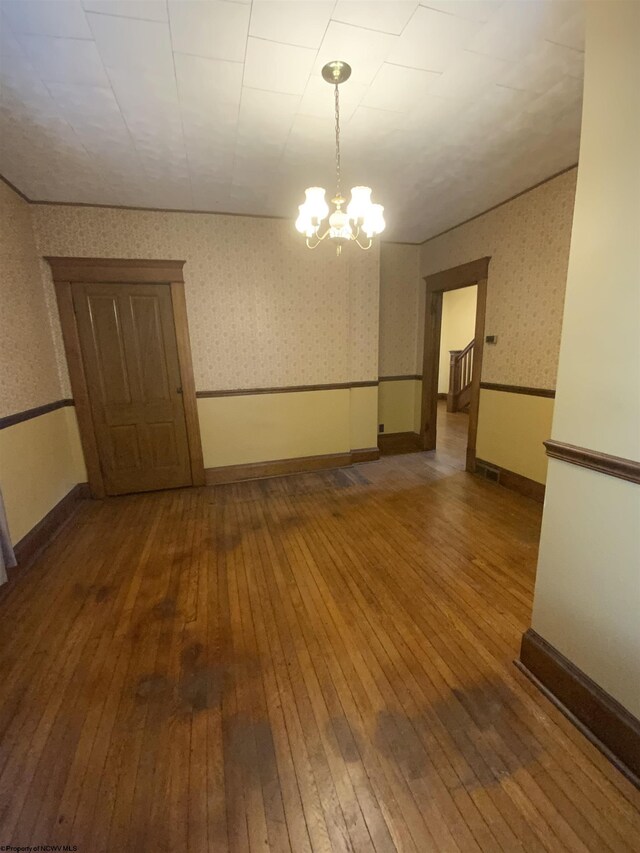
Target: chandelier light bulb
x=374 y=221
x=316 y=203
x=304 y=224
x=361 y=218
x=360 y=202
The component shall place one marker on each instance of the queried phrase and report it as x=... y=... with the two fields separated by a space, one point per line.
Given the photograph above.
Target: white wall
x=587 y=598
x=457 y=329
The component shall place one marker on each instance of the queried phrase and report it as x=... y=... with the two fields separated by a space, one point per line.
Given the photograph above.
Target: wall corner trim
x=603 y=720
x=45 y=531
x=392 y=443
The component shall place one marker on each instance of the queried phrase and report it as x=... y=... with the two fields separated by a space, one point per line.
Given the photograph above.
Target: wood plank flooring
x=320 y=662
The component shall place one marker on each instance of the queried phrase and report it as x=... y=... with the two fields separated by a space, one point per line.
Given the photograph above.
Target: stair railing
x=460 y=376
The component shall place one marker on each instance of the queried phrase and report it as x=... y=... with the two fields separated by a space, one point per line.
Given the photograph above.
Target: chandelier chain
x=361 y=219
x=337 y=101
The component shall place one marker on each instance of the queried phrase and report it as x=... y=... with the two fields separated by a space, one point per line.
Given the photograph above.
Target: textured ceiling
x=453 y=105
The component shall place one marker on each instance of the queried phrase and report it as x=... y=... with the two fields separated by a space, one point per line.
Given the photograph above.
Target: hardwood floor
x=451 y=438
x=319 y=662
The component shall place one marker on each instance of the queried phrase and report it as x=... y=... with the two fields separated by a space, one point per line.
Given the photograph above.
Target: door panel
x=162 y=445
x=149 y=351
x=109 y=350
x=129 y=349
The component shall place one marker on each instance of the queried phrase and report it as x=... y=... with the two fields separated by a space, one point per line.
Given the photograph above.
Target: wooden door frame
x=69 y=271
x=465 y=275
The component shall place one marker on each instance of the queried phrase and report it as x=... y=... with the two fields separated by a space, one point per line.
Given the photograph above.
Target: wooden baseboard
x=509 y=479
x=598 y=715
x=442 y=396
x=391 y=443
x=283 y=467
x=48 y=527
x=365 y=454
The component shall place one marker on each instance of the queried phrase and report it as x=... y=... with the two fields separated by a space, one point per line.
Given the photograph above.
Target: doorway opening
x=453 y=414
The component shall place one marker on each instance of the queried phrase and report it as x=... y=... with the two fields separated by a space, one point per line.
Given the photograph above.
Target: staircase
x=460 y=375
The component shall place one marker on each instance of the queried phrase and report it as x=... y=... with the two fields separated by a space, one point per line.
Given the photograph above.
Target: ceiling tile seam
x=242 y=86
x=452 y=14
x=283 y=43
x=401 y=33
x=122 y=17
x=324 y=34
x=317 y=50
x=515 y=89
x=368 y=29
x=115 y=97
x=18 y=35
x=209 y=58
x=411 y=17
x=410 y=68
x=272 y=92
x=175 y=78
x=565 y=46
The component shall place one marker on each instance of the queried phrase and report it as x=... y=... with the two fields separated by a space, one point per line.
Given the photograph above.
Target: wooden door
x=130 y=356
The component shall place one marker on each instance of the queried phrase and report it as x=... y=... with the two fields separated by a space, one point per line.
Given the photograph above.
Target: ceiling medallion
x=362 y=219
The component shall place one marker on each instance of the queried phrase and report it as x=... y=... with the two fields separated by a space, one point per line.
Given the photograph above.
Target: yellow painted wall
x=40 y=459
x=457 y=328
x=511 y=429
x=262 y=427
x=587 y=596
x=40 y=462
x=397 y=402
x=364 y=417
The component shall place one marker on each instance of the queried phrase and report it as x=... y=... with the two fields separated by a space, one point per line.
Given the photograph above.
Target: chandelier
x=362 y=219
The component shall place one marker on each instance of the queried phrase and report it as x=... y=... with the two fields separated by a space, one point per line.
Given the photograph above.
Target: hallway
x=320 y=662
x=451 y=444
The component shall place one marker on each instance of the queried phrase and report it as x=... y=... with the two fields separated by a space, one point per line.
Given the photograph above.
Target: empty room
x=320 y=426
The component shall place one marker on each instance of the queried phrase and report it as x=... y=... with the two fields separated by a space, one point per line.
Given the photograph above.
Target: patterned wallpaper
x=400 y=314
x=266 y=311
x=528 y=241
x=263 y=309
x=28 y=375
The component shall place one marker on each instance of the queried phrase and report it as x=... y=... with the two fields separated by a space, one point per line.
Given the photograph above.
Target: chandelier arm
x=368 y=246
x=318 y=239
